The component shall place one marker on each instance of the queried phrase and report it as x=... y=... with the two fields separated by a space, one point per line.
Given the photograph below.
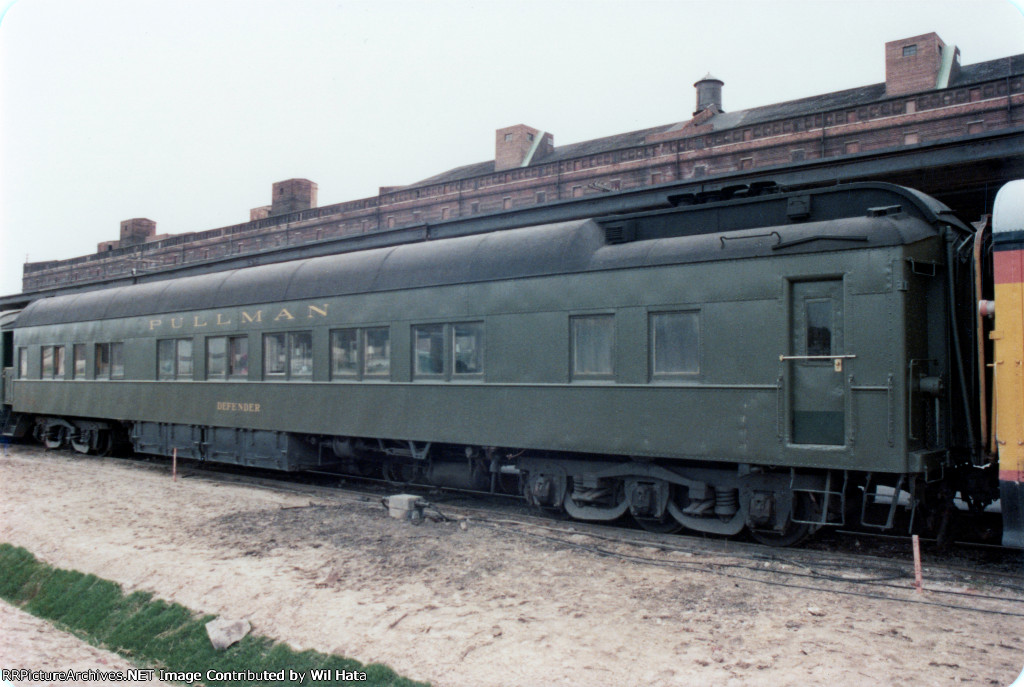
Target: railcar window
x=275 y=355
x=117 y=360
x=174 y=358
x=22 y=363
x=468 y=348
x=102 y=361
x=377 y=352
x=165 y=356
x=359 y=353
x=78 y=366
x=216 y=357
x=428 y=350
x=345 y=353
x=301 y=354
x=47 y=362
x=184 y=359
x=288 y=355
x=819 y=327
x=53 y=362
x=238 y=356
x=593 y=344
x=675 y=343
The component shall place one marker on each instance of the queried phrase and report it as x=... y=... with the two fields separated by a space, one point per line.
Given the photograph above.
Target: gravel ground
x=485 y=607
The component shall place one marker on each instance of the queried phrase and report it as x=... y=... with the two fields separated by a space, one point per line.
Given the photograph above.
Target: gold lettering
x=220 y=321
x=153 y=324
x=177 y=322
x=284 y=314
x=314 y=309
x=238 y=407
x=246 y=317
x=196 y=323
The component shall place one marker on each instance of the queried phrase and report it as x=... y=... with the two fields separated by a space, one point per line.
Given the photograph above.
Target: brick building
x=928 y=101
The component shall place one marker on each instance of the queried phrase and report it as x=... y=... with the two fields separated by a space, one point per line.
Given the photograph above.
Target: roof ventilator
x=620 y=232
x=885 y=211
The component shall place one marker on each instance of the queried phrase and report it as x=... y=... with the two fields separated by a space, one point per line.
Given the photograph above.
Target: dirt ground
x=26 y=642
x=482 y=607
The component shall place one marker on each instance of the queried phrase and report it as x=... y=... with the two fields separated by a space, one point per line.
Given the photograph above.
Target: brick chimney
x=136 y=231
x=519 y=145
x=919 y=63
x=292 y=195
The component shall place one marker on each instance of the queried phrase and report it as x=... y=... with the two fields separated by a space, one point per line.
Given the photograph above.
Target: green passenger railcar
x=761 y=363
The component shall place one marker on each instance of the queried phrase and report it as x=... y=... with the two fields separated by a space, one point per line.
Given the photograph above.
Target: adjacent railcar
x=761 y=364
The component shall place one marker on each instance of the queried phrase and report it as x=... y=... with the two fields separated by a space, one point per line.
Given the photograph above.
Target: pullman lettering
x=225 y=319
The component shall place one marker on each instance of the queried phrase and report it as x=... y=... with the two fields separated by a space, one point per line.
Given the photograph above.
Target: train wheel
x=55 y=437
x=794 y=532
x=105 y=444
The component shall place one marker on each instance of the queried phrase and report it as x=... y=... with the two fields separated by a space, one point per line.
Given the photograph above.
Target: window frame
x=361 y=361
x=449 y=353
x=657 y=375
x=289 y=344
x=75 y=348
x=58 y=361
x=176 y=374
x=585 y=376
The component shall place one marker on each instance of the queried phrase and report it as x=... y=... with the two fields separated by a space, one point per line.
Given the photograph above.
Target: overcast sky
x=186 y=112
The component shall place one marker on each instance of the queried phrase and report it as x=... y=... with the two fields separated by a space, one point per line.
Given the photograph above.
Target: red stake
x=917 y=563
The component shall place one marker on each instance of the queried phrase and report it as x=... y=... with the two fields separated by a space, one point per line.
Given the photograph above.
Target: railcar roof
x=684 y=235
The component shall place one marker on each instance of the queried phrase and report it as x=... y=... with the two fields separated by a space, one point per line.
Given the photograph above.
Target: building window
x=656 y=178
x=593 y=346
x=797 y=155
x=975 y=127
x=474 y=208
x=529 y=137
x=448 y=351
x=675 y=343
x=542 y=197
x=911 y=139
x=53 y=362
x=506 y=203
x=508 y=137
x=910 y=107
x=577 y=191
x=909 y=50
x=852 y=147
x=746 y=162
x=444 y=213
x=359 y=353
x=78 y=364
x=288 y=355
x=391 y=222
x=616 y=184
x=174 y=359
x=700 y=170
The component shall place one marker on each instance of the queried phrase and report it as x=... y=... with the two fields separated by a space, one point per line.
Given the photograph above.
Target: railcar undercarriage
x=776 y=506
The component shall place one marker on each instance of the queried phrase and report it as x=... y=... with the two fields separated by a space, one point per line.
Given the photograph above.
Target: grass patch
x=153 y=633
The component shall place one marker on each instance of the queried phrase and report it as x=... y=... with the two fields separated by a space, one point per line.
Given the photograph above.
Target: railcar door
x=817 y=397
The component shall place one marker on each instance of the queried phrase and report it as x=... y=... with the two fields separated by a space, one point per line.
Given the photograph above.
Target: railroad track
x=837 y=563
